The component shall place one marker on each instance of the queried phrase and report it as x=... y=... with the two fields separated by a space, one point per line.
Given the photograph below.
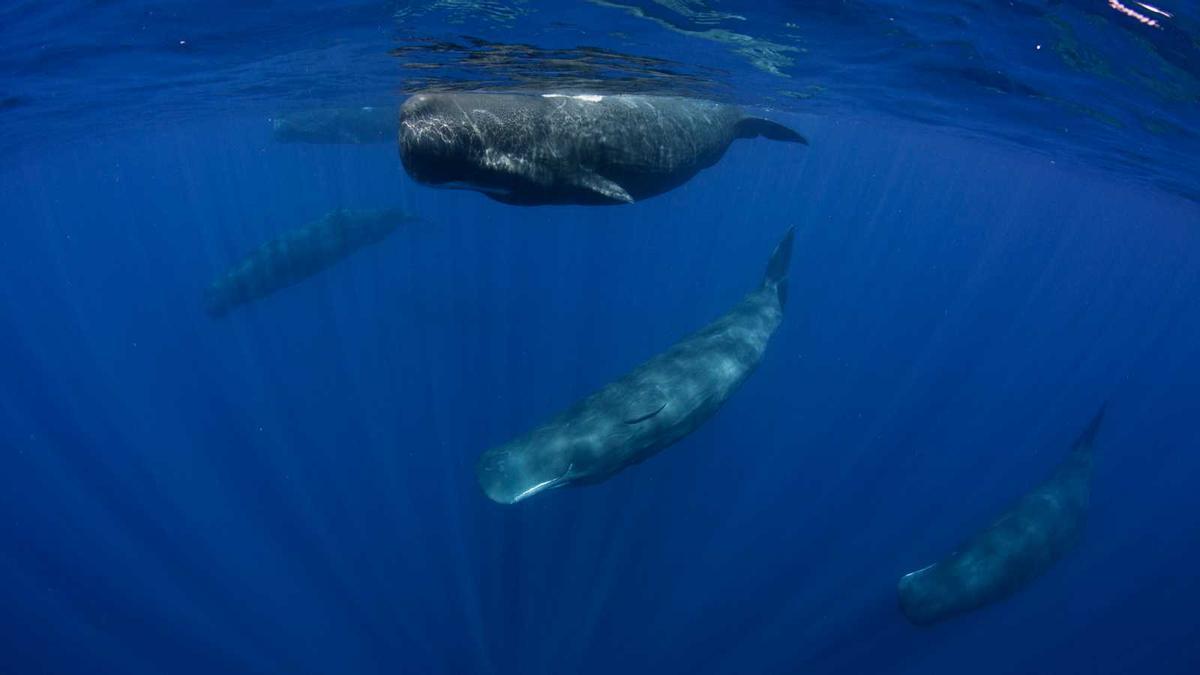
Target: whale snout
x=416 y=105
x=509 y=475
x=426 y=157
x=496 y=478
x=428 y=107
x=435 y=145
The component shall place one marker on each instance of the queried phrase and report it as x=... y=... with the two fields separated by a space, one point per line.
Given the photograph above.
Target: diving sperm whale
x=298 y=255
x=569 y=148
x=650 y=408
x=1022 y=544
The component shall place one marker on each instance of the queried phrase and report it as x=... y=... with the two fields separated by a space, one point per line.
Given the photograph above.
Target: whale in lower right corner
x=1018 y=547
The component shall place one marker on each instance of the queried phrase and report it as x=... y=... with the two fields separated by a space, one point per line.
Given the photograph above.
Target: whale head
x=446 y=140
x=523 y=468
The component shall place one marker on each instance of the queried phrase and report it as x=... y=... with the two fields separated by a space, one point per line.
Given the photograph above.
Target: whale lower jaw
x=913 y=574
x=540 y=487
x=543 y=486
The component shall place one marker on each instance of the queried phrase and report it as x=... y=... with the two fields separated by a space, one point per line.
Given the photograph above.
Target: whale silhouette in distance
x=299 y=254
x=1014 y=550
x=341 y=126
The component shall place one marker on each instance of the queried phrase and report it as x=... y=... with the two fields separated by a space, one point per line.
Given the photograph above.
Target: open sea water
x=997 y=232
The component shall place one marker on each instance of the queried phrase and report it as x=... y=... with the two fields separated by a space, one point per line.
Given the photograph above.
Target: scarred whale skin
x=569 y=148
x=1018 y=547
x=655 y=405
x=298 y=255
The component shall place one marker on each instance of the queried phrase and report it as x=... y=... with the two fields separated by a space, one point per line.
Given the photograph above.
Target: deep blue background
x=291 y=489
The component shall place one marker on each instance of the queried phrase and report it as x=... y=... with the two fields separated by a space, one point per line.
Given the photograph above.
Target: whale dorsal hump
x=594 y=182
x=643 y=403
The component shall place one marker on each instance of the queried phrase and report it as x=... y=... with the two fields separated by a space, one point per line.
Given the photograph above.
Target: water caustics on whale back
x=1019 y=546
x=298 y=255
x=647 y=410
x=557 y=148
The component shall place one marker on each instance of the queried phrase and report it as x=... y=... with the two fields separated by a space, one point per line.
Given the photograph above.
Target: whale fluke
x=777 y=267
x=753 y=127
x=1084 y=442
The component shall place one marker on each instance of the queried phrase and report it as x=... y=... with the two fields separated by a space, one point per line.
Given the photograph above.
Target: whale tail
x=753 y=127
x=777 y=268
x=1084 y=442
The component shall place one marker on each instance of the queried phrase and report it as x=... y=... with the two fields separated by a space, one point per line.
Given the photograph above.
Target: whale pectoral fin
x=647 y=416
x=594 y=182
x=752 y=127
x=644 y=403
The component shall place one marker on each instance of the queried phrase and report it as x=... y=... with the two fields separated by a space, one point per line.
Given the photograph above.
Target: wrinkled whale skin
x=647 y=410
x=569 y=148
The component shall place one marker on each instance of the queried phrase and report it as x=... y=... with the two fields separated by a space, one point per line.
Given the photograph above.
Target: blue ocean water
x=997 y=232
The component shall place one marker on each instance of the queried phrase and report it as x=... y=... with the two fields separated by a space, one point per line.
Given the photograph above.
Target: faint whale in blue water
x=1022 y=544
x=351 y=126
x=655 y=405
x=298 y=255
x=569 y=148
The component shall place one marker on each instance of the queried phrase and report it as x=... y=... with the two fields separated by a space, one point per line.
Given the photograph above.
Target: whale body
x=569 y=148
x=1018 y=547
x=348 y=126
x=653 y=406
x=298 y=255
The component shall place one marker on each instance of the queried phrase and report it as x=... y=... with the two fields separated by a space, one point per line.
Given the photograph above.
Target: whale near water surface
x=590 y=149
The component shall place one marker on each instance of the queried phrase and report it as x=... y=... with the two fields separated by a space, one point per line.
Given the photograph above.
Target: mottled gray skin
x=568 y=149
x=1022 y=544
x=655 y=405
x=298 y=255
x=349 y=126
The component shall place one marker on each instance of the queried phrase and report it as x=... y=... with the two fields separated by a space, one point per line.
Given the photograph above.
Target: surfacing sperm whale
x=569 y=148
x=647 y=410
